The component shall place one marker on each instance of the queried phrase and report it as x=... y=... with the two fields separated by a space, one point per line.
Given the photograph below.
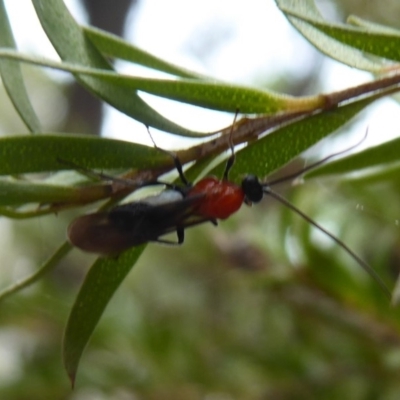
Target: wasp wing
x=132 y=224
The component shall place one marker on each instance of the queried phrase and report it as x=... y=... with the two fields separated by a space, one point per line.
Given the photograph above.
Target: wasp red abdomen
x=221 y=198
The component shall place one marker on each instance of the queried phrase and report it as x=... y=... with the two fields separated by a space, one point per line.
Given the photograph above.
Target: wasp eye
x=252 y=188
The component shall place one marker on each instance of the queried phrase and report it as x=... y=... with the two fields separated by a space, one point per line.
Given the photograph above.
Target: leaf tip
x=72 y=377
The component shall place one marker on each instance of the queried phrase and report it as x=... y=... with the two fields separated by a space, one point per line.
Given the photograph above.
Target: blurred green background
x=262 y=307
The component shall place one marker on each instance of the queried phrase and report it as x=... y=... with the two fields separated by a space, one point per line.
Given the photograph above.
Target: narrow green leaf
x=72 y=45
x=323 y=42
x=276 y=149
x=47 y=153
x=45 y=268
x=103 y=279
x=381 y=155
x=16 y=192
x=371 y=26
x=382 y=44
x=11 y=75
x=214 y=95
x=114 y=46
x=218 y=96
x=376 y=176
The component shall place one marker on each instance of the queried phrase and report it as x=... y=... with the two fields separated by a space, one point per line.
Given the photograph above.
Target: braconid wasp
x=181 y=206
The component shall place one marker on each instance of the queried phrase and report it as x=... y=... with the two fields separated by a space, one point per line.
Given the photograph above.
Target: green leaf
x=72 y=45
x=302 y=13
x=103 y=279
x=214 y=95
x=45 y=268
x=371 y=26
x=11 y=76
x=377 y=156
x=114 y=46
x=386 y=174
x=47 y=152
x=278 y=148
x=19 y=192
x=381 y=44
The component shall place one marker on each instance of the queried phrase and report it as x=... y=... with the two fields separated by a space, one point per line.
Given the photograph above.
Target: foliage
x=270 y=329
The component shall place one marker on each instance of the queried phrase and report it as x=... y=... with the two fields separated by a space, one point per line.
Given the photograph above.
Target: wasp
x=182 y=206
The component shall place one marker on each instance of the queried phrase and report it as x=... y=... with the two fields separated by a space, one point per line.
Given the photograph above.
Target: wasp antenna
x=351 y=253
x=105 y=177
x=151 y=137
x=95 y=175
x=317 y=163
x=231 y=159
x=177 y=161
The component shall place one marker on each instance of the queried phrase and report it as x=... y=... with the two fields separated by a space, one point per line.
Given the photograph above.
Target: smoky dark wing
x=131 y=224
x=147 y=222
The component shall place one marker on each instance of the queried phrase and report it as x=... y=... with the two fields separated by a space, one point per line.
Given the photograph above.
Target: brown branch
x=248 y=129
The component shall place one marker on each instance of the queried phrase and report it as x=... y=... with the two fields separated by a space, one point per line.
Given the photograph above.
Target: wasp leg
x=180 y=232
x=181 y=238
